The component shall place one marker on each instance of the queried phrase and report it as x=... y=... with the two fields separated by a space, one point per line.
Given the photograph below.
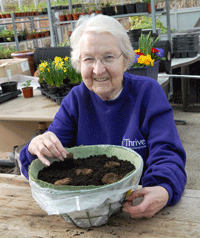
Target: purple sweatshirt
x=141 y=118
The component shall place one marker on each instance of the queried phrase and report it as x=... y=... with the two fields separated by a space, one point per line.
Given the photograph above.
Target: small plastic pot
x=27 y=92
x=9 y=86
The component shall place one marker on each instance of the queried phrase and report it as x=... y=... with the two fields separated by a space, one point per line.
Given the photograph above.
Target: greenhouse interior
x=43 y=68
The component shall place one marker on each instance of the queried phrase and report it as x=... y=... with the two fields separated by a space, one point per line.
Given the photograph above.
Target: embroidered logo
x=134 y=144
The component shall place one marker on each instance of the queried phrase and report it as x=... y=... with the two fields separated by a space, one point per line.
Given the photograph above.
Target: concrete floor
x=190 y=137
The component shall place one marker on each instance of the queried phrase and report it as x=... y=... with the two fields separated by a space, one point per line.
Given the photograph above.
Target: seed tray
x=10 y=95
x=185 y=54
x=185 y=47
x=185 y=42
x=54 y=97
x=185 y=39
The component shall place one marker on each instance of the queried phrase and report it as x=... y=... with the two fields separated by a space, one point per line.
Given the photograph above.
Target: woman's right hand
x=47 y=144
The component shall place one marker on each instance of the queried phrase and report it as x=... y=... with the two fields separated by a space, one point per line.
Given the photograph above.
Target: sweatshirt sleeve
x=63 y=126
x=26 y=158
x=165 y=165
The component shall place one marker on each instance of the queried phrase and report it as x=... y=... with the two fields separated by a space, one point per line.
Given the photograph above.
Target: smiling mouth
x=100 y=79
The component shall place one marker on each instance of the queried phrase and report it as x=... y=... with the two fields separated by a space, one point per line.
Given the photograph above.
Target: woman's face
x=102 y=64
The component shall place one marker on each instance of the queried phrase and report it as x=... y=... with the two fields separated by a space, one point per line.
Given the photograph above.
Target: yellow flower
x=145 y=59
x=57 y=59
x=136 y=51
x=66 y=58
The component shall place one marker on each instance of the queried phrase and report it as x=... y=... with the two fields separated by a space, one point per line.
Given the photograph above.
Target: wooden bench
x=21 y=216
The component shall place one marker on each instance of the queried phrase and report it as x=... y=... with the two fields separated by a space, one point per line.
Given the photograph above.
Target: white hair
x=100 y=24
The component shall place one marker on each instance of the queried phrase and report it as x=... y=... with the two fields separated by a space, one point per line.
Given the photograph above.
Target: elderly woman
x=113 y=107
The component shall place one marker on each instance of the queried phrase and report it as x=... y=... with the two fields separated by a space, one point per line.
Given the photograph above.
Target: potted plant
x=107 y=9
x=69 y=16
x=75 y=14
x=144 y=22
x=147 y=58
x=9 y=86
x=131 y=8
x=98 y=9
x=148 y=2
x=8 y=35
x=21 y=35
x=27 y=89
x=121 y=9
x=1 y=37
x=62 y=17
x=74 y=77
x=53 y=72
x=5 y=52
x=141 y=6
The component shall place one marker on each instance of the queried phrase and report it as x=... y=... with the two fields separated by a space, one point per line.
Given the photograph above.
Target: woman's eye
x=108 y=57
x=88 y=59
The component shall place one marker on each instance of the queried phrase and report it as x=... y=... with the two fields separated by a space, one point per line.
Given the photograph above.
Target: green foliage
x=146 y=54
x=146 y=43
x=146 y=1
x=5 y=52
x=143 y=22
x=7 y=33
x=108 y=4
x=54 y=72
x=64 y=43
x=27 y=84
x=72 y=74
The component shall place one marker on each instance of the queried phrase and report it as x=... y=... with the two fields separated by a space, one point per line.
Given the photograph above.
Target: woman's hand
x=154 y=199
x=47 y=144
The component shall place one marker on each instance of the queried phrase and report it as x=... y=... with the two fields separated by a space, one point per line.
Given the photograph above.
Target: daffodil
x=54 y=72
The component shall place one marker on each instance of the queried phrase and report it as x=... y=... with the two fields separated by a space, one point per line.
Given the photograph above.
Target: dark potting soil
x=94 y=170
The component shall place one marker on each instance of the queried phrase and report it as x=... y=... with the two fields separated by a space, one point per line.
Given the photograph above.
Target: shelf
x=30 y=19
x=115 y=16
x=24 y=21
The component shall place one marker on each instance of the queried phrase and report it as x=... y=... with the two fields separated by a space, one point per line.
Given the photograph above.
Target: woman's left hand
x=154 y=199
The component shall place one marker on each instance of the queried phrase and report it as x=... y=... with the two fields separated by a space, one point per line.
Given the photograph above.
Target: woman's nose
x=98 y=67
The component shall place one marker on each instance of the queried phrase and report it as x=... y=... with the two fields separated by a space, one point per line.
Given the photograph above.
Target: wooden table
x=21 y=216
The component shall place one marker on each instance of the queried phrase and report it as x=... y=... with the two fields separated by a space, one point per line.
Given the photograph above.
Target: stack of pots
x=135 y=35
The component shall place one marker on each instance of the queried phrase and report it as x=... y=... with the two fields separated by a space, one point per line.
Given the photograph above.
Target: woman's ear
x=126 y=62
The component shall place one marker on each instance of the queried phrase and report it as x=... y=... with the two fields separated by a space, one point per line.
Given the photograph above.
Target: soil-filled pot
x=25 y=54
x=9 y=86
x=120 y=9
x=151 y=72
x=86 y=206
x=135 y=35
x=131 y=8
x=27 y=92
x=149 y=7
x=141 y=7
x=62 y=17
x=109 y=11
